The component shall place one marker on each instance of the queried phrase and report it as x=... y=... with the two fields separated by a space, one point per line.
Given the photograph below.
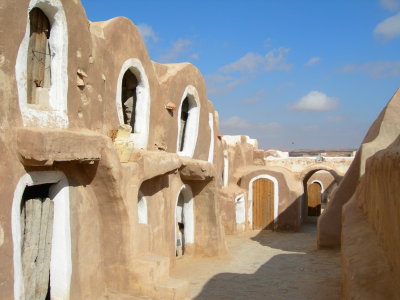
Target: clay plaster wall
x=370 y=231
x=106 y=239
x=383 y=132
x=245 y=163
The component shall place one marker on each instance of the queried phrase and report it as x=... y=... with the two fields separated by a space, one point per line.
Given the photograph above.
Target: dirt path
x=266 y=265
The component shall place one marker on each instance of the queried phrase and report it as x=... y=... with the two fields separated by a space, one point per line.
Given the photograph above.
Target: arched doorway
x=314 y=199
x=41 y=236
x=184 y=221
x=263 y=203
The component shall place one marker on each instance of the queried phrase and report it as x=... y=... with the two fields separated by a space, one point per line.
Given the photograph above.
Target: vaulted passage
x=39 y=58
x=263 y=204
x=129 y=98
x=314 y=199
x=37 y=211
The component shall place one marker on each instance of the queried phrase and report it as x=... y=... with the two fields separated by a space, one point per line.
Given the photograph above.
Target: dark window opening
x=180 y=227
x=39 y=58
x=37 y=215
x=129 y=98
x=184 y=118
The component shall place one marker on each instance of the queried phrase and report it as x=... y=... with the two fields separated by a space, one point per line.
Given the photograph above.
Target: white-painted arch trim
x=188 y=213
x=320 y=183
x=211 y=150
x=61 y=261
x=55 y=115
x=225 y=171
x=140 y=135
x=276 y=197
x=192 y=124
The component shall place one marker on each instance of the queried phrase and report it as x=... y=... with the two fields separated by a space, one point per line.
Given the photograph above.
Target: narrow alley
x=266 y=265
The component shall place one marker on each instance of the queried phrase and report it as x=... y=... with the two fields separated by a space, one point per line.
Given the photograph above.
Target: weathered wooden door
x=263 y=204
x=314 y=199
x=36 y=231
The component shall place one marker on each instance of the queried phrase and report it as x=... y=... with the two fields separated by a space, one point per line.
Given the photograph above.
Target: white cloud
x=177 y=48
x=315 y=101
x=388 y=28
x=259 y=96
x=313 y=61
x=147 y=32
x=377 y=69
x=274 y=60
x=246 y=127
x=391 y=5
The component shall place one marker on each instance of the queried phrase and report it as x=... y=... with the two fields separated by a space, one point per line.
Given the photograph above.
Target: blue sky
x=293 y=74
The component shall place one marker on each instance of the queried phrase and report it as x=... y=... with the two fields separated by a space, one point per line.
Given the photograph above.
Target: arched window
x=39 y=58
x=41 y=66
x=184 y=118
x=188 y=122
x=142 y=209
x=129 y=98
x=133 y=101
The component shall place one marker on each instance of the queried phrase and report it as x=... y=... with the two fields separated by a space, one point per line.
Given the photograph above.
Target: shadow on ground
x=305 y=274
x=279 y=240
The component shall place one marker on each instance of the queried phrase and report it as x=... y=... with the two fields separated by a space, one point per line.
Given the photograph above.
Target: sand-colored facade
x=115 y=193
x=122 y=189
x=245 y=164
x=363 y=215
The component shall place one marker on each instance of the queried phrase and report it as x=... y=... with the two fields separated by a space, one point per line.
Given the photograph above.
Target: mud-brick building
x=363 y=217
x=110 y=161
x=268 y=190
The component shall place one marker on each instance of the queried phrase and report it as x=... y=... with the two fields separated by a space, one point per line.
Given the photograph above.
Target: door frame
x=250 y=198
x=61 y=259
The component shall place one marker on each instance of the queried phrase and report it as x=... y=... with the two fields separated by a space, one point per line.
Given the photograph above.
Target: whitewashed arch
x=320 y=183
x=140 y=135
x=192 y=125
x=211 y=150
x=142 y=209
x=225 y=170
x=276 y=197
x=55 y=114
x=188 y=213
x=61 y=261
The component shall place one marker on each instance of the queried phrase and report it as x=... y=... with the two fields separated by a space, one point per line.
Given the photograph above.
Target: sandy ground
x=266 y=265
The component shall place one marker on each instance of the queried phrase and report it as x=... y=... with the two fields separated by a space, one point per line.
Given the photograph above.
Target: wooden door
x=36 y=229
x=263 y=204
x=314 y=199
